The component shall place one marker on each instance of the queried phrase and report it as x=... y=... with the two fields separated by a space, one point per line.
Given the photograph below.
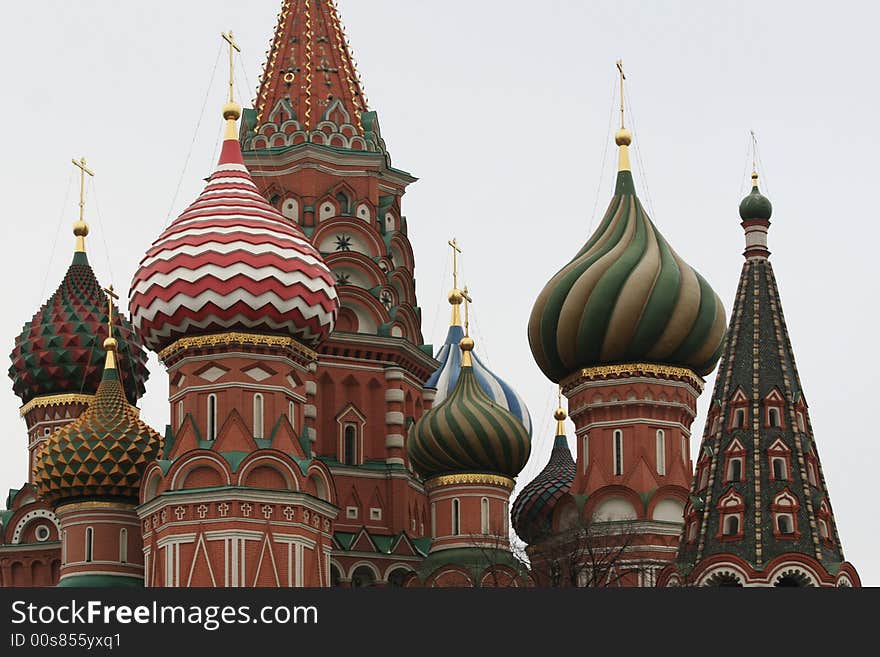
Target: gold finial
x=622 y=137
x=467 y=342
x=455 y=297
x=231 y=110
x=81 y=228
x=110 y=343
x=559 y=415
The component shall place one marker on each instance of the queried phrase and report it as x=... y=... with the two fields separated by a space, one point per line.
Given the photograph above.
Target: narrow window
x=800 y=422
x=779 y=468
x=456 y=517
x=811 y=473
x=618 y=452
x=290 y=413
x=484 y=515
x=64 y=547
x=739 y=418
x=731 y=525
x=258 y=415
x=661 y=452
x=586 y=452
x=684 y=450
x=773 y=418
x=349 y=447
x=90 y=542
x=123 y=546
x=692 y=530
x=784 y=524
x=704 y=476
x=180 y=413
x=734 y=470
x=342 y=199
x=823 y=529
x=433 y=519
x=212 y=417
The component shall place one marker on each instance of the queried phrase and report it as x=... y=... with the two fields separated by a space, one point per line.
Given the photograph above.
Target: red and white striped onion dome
x=232 y=262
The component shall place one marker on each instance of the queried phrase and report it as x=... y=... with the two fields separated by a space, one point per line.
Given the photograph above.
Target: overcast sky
x=503 y=109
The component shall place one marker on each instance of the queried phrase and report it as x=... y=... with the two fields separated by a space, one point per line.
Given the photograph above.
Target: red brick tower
x=234 y=299
x=628 y=329
x=315 y=151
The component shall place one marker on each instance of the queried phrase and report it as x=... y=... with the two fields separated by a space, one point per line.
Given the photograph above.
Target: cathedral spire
x=623 y=137
x=309 y=65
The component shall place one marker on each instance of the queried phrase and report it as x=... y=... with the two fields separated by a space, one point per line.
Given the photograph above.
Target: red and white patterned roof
x=231 y=262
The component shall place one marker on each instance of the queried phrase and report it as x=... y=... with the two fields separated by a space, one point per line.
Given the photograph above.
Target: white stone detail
x=180 y=512
x=257 y=373
x=394 y=417
x=310 y=412
x=212 y=373
x=394 y=440
x=311 y=388
x=394 y=374
x=394 y=395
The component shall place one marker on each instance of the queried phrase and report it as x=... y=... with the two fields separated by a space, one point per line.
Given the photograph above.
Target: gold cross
x=455 y=251
x=467 y=300
x=111 y=297
x=83 y=170
x=622 y=78
x=233 y=48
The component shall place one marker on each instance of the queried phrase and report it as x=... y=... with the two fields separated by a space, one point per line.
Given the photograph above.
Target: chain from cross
x=111 y=297
x=83 y=170
x=233 y=48
x=455 y=251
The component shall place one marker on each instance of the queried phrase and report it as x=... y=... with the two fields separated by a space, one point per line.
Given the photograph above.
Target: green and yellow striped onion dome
x=626 y=297
x=103 y=453
x=468 y=432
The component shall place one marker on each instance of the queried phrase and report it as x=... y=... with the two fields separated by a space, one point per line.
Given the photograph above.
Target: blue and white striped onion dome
x=445 y=377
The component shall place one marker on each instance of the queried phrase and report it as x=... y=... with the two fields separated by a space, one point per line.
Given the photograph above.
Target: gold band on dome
x=635 y=369
x=217 y=339
x=86 y=506
x=469 y=478
x=54 y=400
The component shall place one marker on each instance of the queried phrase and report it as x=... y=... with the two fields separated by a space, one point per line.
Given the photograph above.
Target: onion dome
x=468 y=432
x=232 y=262
x=103 y=453
x=445 y=377
x=58 y=351
x=755 y=205
x=626 y=297
x=532 y=511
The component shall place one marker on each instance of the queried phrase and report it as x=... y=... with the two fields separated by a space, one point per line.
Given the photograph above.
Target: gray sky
x=502 y=109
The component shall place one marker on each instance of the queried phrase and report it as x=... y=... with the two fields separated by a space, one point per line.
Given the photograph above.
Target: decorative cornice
x=89 y=506
x=469 y=478
x=634 y=369
x=54 y=400
x=235 y=338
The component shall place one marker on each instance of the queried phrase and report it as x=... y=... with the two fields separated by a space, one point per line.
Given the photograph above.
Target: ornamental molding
x=469 y=478
x=55 y=400
x=634 y=370
x=235 y=338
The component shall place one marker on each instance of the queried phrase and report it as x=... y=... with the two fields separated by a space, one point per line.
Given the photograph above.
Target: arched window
x=290 y=414
x=823 y=528
x=618 y=452
x=258 y=415
x=811 y=473
x=456 y=517
x=212 y=417
x=433 y=519
x=179 y=413
x=123 y=546
x=661 y=452
x=739 y=418
x=779 y=469
x=734 y=469
x=773 y=417
x=684 y=450
x=484 y=515
x=342 y=199
x=800 y=422
x=784 y=523
x=349 y=445
x=64 y=547
x=90 y=543
x=731 y=525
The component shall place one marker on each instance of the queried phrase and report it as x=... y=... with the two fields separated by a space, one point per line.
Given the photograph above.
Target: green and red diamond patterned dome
x=59 y=351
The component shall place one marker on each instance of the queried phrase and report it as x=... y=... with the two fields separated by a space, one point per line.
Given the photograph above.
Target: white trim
x=259 y=415
x=617 y=452
x=484 y=515
x=661 y=452
x=211 y=428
